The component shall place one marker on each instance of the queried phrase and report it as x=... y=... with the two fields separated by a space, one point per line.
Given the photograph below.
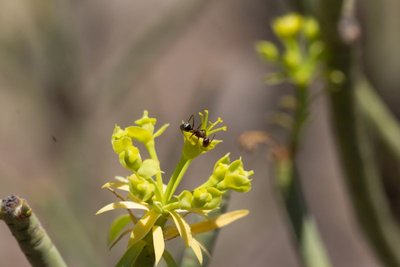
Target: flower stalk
x=297 y=64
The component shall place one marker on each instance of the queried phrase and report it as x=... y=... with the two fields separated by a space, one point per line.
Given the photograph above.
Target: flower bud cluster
x=301 y=49
x=226 y=176
x=141 y=184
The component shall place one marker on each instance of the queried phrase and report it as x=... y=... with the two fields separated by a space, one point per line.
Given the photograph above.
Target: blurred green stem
x=32 y=238
x=359 y=165
x=307 y=239
x=378 y=117
x=300 y=117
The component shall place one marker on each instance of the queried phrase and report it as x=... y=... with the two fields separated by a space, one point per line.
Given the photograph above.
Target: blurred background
x=70 y=70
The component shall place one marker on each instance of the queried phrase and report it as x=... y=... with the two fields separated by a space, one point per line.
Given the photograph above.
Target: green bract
x=144 y=190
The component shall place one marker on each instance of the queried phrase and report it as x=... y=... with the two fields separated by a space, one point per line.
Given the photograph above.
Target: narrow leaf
x=183 y=228
x=117 y=226
x=158 y=242
x=117 y=185
x=124 y=233
x=208 y=225
x=143 y=226
x=195 y=245
x=122 y=205
x=131 y=255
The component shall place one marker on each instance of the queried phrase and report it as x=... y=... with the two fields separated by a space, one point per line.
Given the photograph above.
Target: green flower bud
x=130 y=158
x=206 y=198
x=140 y=187
x=146 y=123
x=288 y=26
x=267 y=50
x=310 y=28
x=236 y=178
x=185 y=200
x=119 y=140
x=220 y=169
x=292 y=59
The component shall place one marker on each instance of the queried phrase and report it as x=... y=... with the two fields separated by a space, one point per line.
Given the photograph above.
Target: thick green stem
x=27 y=230
x=310 y=246
x=176 y=178
x=359 y=165
x=307 y=239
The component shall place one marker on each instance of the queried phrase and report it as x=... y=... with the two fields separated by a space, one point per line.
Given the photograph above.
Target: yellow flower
x=161 y=213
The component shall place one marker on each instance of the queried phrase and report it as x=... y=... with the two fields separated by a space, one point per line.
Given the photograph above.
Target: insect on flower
x=199 y=133
x=187 y=126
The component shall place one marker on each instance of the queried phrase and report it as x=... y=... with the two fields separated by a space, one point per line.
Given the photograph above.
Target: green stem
x=307 y=238
x=360 y=167
x=27 y=230
x=378 y=117
x=176 y=178
x=150 y=146
x=300 y=117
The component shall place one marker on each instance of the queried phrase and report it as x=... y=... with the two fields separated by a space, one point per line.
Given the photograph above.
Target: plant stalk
x=30 y=235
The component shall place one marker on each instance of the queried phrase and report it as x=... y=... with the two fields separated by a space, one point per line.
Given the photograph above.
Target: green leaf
x=169 y=260
x=116 y=227
x=131 y=255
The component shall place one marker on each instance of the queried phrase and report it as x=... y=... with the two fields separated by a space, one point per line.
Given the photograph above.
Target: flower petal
x=158 y=242
x=122 y=205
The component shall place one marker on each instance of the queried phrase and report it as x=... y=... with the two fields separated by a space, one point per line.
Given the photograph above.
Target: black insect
x=199 y=133
x=207 y=141
x=187 y=126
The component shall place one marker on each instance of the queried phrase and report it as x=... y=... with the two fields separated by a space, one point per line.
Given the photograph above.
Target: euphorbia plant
x=163 y=211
